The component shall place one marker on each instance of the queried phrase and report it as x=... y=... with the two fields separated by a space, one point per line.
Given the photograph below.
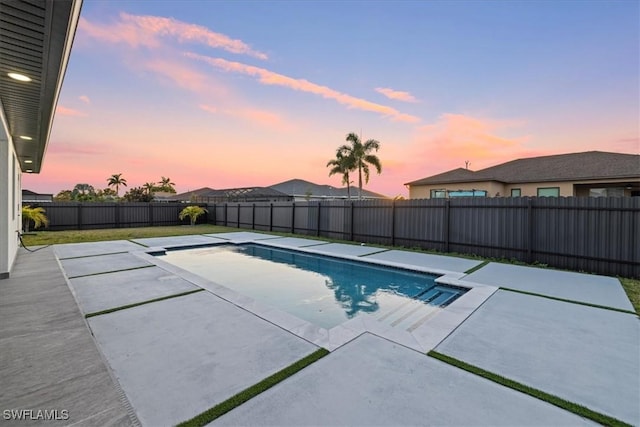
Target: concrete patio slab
x=48 y=359
x=178 y=357
x=73 y=250
x=428 y=262
x=293 y=242
x=371 y=381
x=111 y=290
x=242 y=236
x=177 y=241
x=583 y=354
x=343 y=250
x=76 y=267
x=589 y=288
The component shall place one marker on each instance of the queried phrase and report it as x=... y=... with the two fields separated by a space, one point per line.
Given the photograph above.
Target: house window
x=468 y=193
x=516 y=192
x=438 y=194
x=548 y=191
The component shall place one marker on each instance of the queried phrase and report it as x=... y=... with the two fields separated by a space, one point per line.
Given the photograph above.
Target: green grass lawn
x=631 y=286
x=78 y=236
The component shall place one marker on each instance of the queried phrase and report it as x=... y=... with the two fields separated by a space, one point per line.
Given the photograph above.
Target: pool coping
x=423 y=338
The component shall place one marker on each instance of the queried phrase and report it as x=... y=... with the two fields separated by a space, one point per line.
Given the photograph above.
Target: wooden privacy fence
x=597 y=235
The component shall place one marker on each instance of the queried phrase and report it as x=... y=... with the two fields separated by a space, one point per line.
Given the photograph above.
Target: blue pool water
x=322 y=290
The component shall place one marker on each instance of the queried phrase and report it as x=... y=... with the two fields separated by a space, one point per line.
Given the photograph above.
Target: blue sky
x=231 y=94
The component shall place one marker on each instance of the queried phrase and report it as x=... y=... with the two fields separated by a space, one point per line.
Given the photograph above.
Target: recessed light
x=29 y=170
x=26 y=138
x=28 y=161
x=19 y=77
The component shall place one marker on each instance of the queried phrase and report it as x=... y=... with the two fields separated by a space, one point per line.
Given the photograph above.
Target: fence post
x=226 y=212
x=80 y=216
x=150 y=214
x=393 y=223
x=253 y=217
x=117 y=215
x=447 y=215
x=293 y=218
x=530 y=226
x=215 y=213
x=238 y=215
x=318 y=227
x=351 y=213
x=270 y=216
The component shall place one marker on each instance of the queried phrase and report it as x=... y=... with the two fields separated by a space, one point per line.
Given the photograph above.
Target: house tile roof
x=300 y=187
x=587 y=165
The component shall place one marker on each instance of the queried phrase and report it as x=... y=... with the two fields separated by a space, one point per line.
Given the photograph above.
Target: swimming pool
x=322 y=290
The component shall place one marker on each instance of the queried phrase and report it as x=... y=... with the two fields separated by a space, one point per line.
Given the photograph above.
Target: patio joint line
x=114 y=271
x=587 y=304
x=567 y=405
x=124 y=307
x=252 y=391
x=91 y=256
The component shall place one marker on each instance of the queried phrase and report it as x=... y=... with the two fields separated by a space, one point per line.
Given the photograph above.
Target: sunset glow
x=231 y=94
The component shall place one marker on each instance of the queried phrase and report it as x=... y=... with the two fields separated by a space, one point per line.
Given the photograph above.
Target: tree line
x=88 y=193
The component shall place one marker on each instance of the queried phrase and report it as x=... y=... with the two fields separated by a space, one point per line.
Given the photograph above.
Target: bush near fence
x=597 y=235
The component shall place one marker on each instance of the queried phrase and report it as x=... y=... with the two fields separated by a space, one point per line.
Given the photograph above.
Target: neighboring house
x=590 y=173
x=35 y=44
x=302 y=190
x=246 y=194
x=32 y=197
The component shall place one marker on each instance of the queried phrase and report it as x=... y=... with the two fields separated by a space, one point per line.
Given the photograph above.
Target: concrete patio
x=176 y=354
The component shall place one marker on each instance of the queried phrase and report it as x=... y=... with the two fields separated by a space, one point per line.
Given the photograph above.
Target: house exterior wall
x=10 y=201
x=424 y=191
x=530 y=189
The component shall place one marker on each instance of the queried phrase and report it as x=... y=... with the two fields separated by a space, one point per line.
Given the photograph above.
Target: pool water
x=322 y=290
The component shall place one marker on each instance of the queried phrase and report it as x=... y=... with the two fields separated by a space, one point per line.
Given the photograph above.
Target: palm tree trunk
x=360 y=182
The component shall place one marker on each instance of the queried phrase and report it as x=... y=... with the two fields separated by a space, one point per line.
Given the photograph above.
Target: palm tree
x=193 y=212
x=342 y=164
x=116 y=180
x=360 y=155
x=37 y=215
x=167 y=185
x=149 y=187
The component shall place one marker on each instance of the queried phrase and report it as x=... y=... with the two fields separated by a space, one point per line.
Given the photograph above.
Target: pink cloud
x=73 y=149
x=141 y=30
x=397 y=95
x=65 y=111
x=270 y=78
x=85 y=99
x=456 y=138
x=252 y=115
x=181 y=75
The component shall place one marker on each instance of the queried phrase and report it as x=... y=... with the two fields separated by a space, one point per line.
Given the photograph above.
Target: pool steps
x=412 y=313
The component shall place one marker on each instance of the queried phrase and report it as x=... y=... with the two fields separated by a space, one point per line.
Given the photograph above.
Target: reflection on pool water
x=322 y=290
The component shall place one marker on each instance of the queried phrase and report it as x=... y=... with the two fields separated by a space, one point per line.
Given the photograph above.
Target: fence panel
x=420 y=224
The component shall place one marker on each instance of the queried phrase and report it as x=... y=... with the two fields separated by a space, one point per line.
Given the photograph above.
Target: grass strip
x=477 y=267
x=588 y=304
x=124 y=307
x=538 y=394
x=632 y=288
x=109 y=272
x=223 y=407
